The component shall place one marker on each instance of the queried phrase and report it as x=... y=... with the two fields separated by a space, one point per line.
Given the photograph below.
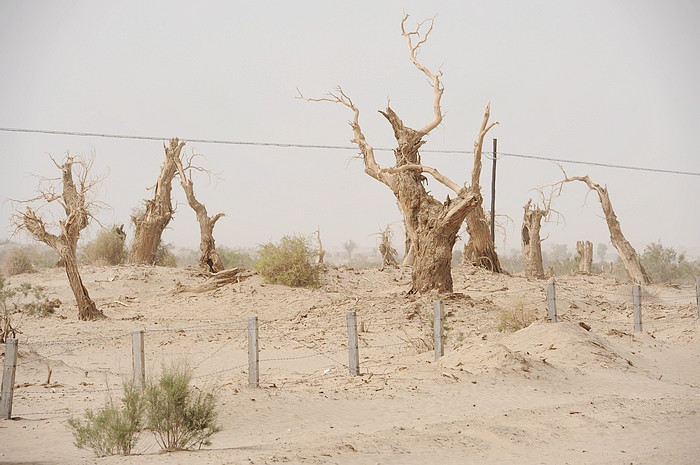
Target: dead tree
x=150 y=224
x=431 y=225
x=78 y=210
x=585 y=252
x=531 y=242
x=321 y=252
x=627 y=253
x=479 y=249
x=387 y=251
x=209 y=260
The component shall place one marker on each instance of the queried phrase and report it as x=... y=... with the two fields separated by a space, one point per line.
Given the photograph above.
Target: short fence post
x=637 y=297
x=353 y=353
x=551 y=301
x=139 y=358
x=438 y=332
x=253 y=353
x=697 y=293
x=8 y=378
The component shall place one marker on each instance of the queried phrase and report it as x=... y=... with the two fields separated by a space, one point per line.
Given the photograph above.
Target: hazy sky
x=613 y=82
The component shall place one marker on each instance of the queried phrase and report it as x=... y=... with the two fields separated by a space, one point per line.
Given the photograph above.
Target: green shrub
x=108 y=248
x=114 y=429
x=515 y=318
x=17 y=261
x=23 y=298
x=179 y=417
x=234 y=258
x=290 y=263
x=664 y=265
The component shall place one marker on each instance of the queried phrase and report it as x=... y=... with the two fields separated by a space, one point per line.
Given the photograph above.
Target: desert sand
x=551 y=393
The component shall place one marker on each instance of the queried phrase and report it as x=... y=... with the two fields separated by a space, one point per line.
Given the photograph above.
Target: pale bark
x=321 y=252
x=480 y=249
x=531 y=242
x=431 y=225
x=209 y=260
x=386 y=250
x=627 y=253
x=149 y=225
x=585 y=251
x=72 y=199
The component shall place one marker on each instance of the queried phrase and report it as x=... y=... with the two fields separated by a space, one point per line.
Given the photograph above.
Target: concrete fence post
x=8 y=378
x=253 y=353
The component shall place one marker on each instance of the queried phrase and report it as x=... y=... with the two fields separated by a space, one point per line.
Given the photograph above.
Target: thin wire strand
x=342 y=147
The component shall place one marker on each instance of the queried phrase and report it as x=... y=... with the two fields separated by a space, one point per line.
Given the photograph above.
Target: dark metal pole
x=493 y=193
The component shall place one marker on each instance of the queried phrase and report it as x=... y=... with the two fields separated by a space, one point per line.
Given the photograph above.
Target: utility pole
x=493 y=193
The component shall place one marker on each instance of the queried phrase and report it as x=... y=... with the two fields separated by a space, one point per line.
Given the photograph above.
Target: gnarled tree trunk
x=65 y=243
x=150 y=224
x=479 y=249
x=431 y=225
x=530 y=241
x=627 y=253
x=585 y=252
x=209 y=260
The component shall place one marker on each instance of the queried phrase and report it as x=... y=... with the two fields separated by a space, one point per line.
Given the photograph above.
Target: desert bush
x=17 y=261
x=515 y=318
x=665 y=265
x=108 y=248
x=235 y=258
x=179 y=417
x=165 y=255
x=290 y=263
x=24 y=298
x=114 y=429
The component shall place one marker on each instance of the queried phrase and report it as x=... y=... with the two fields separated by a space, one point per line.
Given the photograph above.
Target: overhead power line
x=337 y=147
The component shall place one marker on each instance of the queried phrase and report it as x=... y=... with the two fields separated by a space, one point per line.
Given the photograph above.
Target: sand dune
x=549 y=393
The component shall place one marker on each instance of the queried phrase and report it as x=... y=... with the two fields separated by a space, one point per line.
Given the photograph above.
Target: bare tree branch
x=434 y=78
x=372 y=168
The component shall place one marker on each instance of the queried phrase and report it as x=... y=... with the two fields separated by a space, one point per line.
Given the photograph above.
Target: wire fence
x=219 y=353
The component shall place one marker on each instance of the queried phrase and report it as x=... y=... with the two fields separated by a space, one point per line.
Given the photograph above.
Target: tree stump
x=585 y=251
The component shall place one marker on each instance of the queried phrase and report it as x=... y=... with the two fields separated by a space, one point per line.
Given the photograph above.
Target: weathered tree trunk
x=408 y=256
x=432 y=226
x=627 y=253
x=531 y=243
x=585 y=251
x=321 y=252
x=479 y=249
x=65 y=243
x=87 y=310
x=209 y=260
x=149 y=225
x=387 y=252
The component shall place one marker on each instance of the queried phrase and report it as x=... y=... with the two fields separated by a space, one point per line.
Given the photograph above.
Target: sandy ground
x=549 y=393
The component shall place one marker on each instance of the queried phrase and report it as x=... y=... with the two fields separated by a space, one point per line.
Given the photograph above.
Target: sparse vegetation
x=17 y=261
x=114 y=429
x=235 y=258
x=515 y=317
x=178 y=417
x=290 y=263
x=165 y=256
x=24 y=298
x=665 y=265
x=107 y=249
